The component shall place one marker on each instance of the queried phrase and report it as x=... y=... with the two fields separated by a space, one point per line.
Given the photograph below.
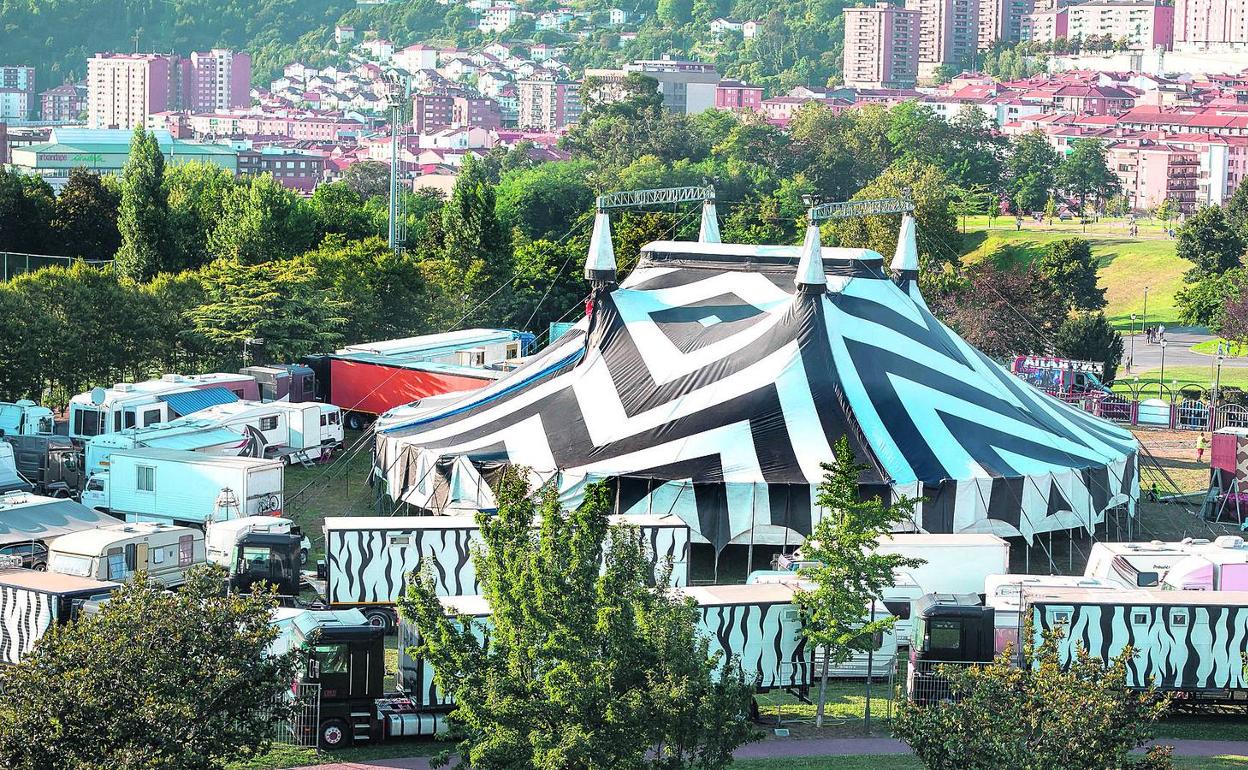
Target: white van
x=116 y=551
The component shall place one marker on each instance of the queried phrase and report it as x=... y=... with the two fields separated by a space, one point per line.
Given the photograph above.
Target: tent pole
x=1027 y=557
x=1052 y=569
x=749 y=559
x=717 y=566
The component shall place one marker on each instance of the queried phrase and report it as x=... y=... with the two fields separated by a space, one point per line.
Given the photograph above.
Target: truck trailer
x=185 y=487
x=368 y=558
x=369 y=379
x=31 y=602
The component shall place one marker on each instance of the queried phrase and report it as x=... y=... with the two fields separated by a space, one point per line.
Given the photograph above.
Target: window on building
x=268 y=423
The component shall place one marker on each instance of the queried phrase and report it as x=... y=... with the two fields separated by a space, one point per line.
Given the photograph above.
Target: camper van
x=295 y=383
x=184 y=487
x=292 y=432
x=143 y=404
x=32 y=602
x=1145 y=565
x=1223 y=566
x=117 y=551
x=187 y=434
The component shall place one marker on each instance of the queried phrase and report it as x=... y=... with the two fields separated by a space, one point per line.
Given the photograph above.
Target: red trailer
x=369 y=379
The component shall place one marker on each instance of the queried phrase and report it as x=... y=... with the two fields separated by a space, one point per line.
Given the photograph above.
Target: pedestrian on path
x=1202 y=443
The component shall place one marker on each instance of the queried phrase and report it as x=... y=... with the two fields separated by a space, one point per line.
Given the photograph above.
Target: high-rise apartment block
x=881 y=47
x=1002 y=20
x=948 y=33
x=123 y=89
x=1210 y=23
x=549 y=104
x=17 y=92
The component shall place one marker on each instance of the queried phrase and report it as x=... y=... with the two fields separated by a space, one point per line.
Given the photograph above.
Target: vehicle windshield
x=70 y=564
x=86 y=421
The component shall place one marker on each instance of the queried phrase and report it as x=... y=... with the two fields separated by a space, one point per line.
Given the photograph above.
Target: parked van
x=116 y=551
x=143 y=404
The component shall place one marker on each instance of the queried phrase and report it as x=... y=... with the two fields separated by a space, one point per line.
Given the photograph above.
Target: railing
x=13 y=264
x=296 y=715
x=927 y=681
x=1187 y=408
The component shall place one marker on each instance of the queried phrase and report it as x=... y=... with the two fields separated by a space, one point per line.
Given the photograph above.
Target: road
x=817 y=747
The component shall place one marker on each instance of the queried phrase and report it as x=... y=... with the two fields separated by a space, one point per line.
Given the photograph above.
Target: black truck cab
x=948 y=628
x=270 y=558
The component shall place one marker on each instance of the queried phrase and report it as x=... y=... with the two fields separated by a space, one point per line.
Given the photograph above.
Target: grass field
x=339 y=488
x=1127 y=264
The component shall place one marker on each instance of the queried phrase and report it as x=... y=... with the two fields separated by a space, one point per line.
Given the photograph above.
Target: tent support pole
x=1052 y=569
x=749 y=559
x=1027 y=557
x=717 y=550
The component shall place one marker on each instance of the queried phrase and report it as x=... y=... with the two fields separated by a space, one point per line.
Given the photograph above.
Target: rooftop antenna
x=396 y=95
x=135 y=38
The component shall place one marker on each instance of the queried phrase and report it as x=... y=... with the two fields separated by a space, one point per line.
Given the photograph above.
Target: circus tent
x=714 y=381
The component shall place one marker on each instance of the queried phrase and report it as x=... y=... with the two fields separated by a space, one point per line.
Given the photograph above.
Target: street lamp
x=1131 y=358
x=1144 y=323
x=1161 y=381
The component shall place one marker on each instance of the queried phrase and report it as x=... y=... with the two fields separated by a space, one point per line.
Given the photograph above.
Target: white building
x=378 y=49
x=618 y=16
x=498 y=18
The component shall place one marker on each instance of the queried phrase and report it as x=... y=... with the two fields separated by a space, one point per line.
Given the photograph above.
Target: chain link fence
x=13 y=264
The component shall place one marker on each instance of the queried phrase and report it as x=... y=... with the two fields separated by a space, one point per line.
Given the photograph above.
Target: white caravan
x=298 y=432
x=188 y=434
x=1145 y=565
x=117 y=551
x=1004 y=594
x=184 y=487
x=143 y=404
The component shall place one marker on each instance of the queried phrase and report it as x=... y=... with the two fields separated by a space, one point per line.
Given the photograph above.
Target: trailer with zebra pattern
x=1192 y=643
x=368 y=558
x=758 y=624
x=31 y=602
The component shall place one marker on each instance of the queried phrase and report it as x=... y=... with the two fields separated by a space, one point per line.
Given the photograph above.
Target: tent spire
x=810 y=276
x=709 y=231
x=906 y=260
x=600 y=263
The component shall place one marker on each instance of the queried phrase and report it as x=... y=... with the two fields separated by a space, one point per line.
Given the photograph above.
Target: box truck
x=184 y=487
x=116 y=551
x=32 y=602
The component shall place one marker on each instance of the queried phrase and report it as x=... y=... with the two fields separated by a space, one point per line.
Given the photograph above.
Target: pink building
x=123 y=89
x=300 y=171
x=1210 y=23
x=217 y=80
x=64 y=103
x=1002 y=20
x=548 y=104
x=737 y=96
x=1145 y=25
x=1151 y=172
x=948 y=33
x=475 y=112
x=881 y=46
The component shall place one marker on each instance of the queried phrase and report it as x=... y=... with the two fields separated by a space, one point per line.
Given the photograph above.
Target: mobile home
x=186 y=487
x=187 y=434
x=31 y=602
x=368 y=558
x=1145 y=565
x=117 y=551
x=299 y=431
x=143 y=404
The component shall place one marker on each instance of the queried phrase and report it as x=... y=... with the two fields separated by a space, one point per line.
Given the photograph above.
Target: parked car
x=34 y=555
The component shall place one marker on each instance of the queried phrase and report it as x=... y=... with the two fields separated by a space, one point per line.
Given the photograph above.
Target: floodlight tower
x=396 y=98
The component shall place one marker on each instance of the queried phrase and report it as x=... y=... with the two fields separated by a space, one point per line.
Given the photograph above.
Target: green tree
x=142 y=217
x=1068 y=263
x=1209 y=242
x=199 y=682
x=279 y=301
x=23 y=220
x=850 y=575
x=1045 y=712
x=547 y=200
x=262 y=220
x=1167 y=210
x=928 y=187
x=1201 y=302
x=1031 y=171
x=675 y=13
x=1003 y=311
x=1050 y=209
x=197 y=192
x=1237 y=210
x=337 y=208
x=1084 y=173
x=368 y=178
x=384 y=291
x=586 y=666
x=1091 y=337
x=85 y=222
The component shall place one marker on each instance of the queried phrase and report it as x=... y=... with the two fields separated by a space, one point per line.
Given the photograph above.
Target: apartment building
x=548 y=104
x=64 y=103
x=948 y=33
x=1144 y=25
x=1210 y=23
x=1002 y=20
x=881 y=47
x=17 y=92
x=217 y=80
x=123 y=89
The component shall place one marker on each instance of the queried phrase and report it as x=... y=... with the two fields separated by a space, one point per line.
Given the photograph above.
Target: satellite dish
x=97 y=395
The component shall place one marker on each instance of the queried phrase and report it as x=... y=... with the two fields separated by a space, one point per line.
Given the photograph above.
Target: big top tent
x=715 y=380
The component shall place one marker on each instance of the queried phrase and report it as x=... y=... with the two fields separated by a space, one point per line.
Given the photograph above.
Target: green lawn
x=1127 y=265
x=338 y=488
x=1179 y=376
x=1210 y=348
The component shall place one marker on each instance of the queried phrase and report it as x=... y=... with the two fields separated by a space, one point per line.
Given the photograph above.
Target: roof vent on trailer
x=1229 y=541
x=124 y=387
x=172 y=378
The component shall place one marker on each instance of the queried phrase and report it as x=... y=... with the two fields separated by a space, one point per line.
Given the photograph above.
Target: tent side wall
x=25 y=616
x=371 y=566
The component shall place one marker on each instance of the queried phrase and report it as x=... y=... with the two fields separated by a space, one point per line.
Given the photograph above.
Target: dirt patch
x=1169 y=460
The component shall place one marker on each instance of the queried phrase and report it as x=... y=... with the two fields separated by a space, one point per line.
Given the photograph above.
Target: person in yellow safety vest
x=1202 y=443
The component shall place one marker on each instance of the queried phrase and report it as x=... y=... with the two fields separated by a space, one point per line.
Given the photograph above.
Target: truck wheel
x=40 y=567
x=355 y=421
x=379 y=618
x=334 y=734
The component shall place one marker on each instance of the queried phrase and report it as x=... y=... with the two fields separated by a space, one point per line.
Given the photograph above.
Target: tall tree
x=262 y=220
x=586 y=666
x=1070 y=266
x=1002 y=311
x=86 y=217
x=337 y=208
x=1237 y=210
x=850 y=575
x=1091 y=337
x=143 y=213
x=23 y=219
x=197 y=192
x=1209 y=242
x=936 y=223
x=199 y=684
x=1031 y=171
x=1085 y=174
x=368 y=178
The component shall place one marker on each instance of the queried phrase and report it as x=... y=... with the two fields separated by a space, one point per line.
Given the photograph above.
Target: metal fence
x=1174 y=410
x=296 y=715
x=927 y=681
x=13 y=264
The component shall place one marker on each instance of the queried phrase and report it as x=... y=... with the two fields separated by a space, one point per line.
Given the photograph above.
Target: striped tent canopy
x=715 y=380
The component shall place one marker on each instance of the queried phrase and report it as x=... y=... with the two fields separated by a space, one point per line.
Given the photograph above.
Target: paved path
x=1179 y=342
x=818 y=747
